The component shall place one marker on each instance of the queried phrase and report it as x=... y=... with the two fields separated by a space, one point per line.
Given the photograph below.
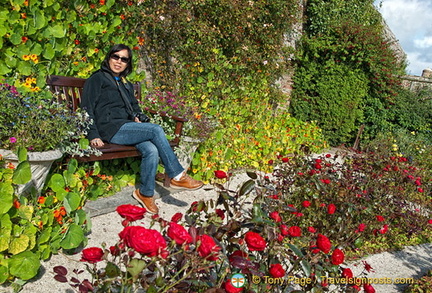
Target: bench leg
x=166 y=180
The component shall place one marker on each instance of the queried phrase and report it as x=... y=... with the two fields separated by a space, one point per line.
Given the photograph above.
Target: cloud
x=423 y=43
x=410 y=22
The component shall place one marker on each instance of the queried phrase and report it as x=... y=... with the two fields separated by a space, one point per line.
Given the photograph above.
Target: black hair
x=115 y=49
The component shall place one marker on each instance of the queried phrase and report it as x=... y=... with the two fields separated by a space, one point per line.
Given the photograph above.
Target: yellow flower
x=26 y=57
x=35 y=89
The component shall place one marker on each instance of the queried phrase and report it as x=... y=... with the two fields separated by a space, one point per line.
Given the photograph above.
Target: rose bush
x=278 y=225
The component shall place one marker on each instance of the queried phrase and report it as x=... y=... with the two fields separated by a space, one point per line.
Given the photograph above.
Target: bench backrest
x=69 y=89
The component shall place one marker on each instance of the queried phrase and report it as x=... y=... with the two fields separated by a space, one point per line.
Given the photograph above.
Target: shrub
x=302 y=222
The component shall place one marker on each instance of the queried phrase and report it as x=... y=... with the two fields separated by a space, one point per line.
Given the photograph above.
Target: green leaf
x=49 y=52
x=4 y=274
x=24 y=265
x=26 y=212
x=112 y=270
x=22 y=154
x=19 y=244
x=6 y=198
x=15 y=39
x=39 y=19
x=83 y=143
x=22 y=173
x=56 y=182
x=73 y=238
x=72 y=201
x=247 y=187
x=306 y=267
x=296 y=250
x=6 y=230
x=135 y=267
x=45 y=235
x=57 y=31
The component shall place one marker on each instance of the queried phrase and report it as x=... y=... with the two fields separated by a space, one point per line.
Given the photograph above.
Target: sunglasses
x=117 y=57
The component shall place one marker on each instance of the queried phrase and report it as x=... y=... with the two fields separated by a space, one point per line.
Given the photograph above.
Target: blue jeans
x=151 y=141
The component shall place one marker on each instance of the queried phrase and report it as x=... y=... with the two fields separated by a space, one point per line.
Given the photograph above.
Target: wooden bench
x=69 y=90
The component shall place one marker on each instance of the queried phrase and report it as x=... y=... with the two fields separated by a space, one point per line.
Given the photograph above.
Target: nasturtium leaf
x=4 y=274
x=57 y=182
x=24 y=265
x=6 y=198
x=72 y=201
x=19 y=244
x=73 y=238
x=22 y=173
x=26 y=212
x=6 y=230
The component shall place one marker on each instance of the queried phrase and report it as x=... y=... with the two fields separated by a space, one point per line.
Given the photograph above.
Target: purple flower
x=12 y=139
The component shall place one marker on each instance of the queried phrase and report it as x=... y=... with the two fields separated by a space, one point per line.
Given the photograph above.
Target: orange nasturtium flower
x=26 y=57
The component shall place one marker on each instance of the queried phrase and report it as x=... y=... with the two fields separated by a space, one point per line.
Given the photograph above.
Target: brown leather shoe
x=146 y=201
x=186 y=182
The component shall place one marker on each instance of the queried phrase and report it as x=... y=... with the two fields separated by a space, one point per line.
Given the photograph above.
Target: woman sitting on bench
x=117 y=118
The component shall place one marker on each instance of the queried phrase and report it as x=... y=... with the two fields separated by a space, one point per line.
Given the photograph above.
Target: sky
x=411 y=23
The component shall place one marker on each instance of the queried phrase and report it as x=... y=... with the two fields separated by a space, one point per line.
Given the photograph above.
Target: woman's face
x=119 y=65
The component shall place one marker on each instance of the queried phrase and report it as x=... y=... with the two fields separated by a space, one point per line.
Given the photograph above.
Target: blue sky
x=411 y=22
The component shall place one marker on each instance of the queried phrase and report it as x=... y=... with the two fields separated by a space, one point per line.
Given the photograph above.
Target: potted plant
x=32 y=119
x=198 y=128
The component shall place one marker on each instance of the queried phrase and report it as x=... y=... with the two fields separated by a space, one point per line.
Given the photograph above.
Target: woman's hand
x=96 y=142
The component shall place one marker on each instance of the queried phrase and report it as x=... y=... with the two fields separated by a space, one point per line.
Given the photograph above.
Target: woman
x=109 y=100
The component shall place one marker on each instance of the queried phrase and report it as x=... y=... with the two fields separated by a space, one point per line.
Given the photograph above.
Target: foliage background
x=228 y=58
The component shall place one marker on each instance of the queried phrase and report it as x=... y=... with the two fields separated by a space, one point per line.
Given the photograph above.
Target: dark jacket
x=103 y=102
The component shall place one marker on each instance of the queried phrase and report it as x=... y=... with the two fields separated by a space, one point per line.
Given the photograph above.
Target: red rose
x=312 y=229
x=276 y=271
x=284 y=230
x=131 y=212
x=145 y=241
x=178 y=233
x=92 y=254
x=347 y=273
x=220 y=213
x=361 y=227
x=326 y=181
x=430 y=221
x=255 y=242
x=229 y=288
x=220 y=174
x=337 y=257
x=285 y=160
x=380 y=218
x=294 y=231
x=331 y=209
x=384 y=229
x=176 y=217
x=208 y=248
x=368 y=288
x=276 y=217
x=323 y=243
x=306 y=203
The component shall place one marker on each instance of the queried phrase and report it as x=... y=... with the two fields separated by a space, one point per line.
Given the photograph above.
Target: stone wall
x=418 y=83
